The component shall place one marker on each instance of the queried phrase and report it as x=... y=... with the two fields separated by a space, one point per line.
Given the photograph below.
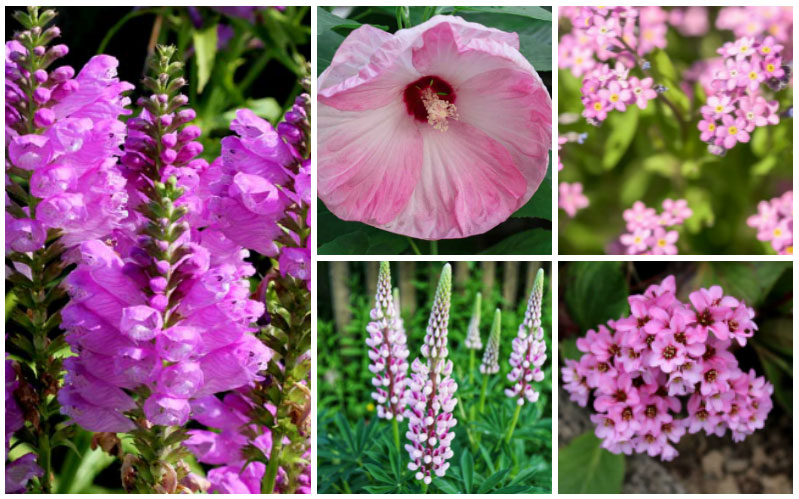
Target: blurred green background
x=642 y=155
x=526 y=232
x=350 y=437
x=593 y=292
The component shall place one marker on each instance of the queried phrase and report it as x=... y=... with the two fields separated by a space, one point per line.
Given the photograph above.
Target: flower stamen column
x=431 y=395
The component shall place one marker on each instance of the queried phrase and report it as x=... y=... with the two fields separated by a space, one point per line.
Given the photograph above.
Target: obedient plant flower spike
x=529 y=353
x=490 y=364
x=431 y=394
x=388 y=353
x=62 y=187
x=473 y=341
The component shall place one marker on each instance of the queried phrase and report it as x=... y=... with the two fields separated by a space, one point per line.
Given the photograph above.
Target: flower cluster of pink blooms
x=570 y=195
x=774 y=223
x=666 y=370
x=758 y=21
x=601 y=35
x=735 y=106
x=647 y=231
x=528 y=352
x=431 y=393
x=66 y=136
x=388 y=351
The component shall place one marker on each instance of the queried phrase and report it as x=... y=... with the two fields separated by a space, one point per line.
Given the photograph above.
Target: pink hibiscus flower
x=439 y=131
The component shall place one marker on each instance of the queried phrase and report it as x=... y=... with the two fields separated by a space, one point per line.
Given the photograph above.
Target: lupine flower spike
x=431 y=396
x=473 y=341
x=388 y=351
x=529 y=353
x=490 y=364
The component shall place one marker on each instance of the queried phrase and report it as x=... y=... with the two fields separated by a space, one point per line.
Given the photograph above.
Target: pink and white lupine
x=473 y=341
x=388 y=350
x=490 y=364
x=529 y=349
x=431 y=397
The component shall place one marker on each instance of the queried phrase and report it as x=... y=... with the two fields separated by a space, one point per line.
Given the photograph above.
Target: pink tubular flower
x=388 y=351
x=438 y=131
x=529 y=349
x=571 y=198
x=665 y=361
x=431 y=395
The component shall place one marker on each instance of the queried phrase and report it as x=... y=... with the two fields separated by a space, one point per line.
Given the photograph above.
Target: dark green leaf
x=467 y=471
x=205 y=41
x=586 y=468
x=493 y=481
x=623 y=127
x=529 y=242
x=595 y=292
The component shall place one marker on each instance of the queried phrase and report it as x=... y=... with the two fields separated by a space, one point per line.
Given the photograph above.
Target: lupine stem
x=395 y=428
x=471 y=366
x=513 y=423
x=483 y=393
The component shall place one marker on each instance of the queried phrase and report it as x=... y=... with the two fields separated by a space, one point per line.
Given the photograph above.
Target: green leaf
x=623 y=127
x=446 y=486
x=467 y=471
x=379 y=489
x=529 y=242
x=586 y=468
x=750 y=281
x=531 y=12
x=535 y=35
x=327 y=40
x=540 y=205
x=205 y=41
x=493 y=481
x=595 y=292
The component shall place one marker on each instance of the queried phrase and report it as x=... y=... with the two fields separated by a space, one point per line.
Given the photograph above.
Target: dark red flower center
x=418 y=93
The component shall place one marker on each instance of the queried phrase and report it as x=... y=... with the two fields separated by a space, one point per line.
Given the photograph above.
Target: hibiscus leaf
x=531 y=12
x=529 y=242
x=586 y=468
x=327 y=40
x=540 y=205
x=535 y=36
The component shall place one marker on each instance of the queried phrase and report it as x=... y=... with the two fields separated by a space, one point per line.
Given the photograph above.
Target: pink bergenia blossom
x=640 y=391
x=774 y=223
x=438 y=131
x=571 y=198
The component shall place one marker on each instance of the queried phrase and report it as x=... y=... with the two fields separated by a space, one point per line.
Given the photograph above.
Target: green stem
x=44 y=461
x=395 y=428
x=471 y=366
x=414 y=247
x=483 y=396
x=270 y=475
x=433 y=247
x=424 y=488
x=513 y=423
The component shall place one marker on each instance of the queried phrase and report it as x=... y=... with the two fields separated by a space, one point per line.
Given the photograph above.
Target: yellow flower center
x=598 y=106
x=579 y=60
x=770 y=68
x=789 y=250
x=719 y=109
x=661 y=242
x=752 y=75
x=733 y=130
x=765 y=49
x=614 y=98
x=438 y=110
x=637 y=240
x=777 y=232
x=711 y=127
x=744 y=48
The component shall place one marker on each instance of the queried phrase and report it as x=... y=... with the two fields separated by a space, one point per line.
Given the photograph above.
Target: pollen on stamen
x=439 y=111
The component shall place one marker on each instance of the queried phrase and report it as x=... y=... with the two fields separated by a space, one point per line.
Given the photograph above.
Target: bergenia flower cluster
x=388 y=351
x=774 y=223
x=735 y=105
x=601 y=35
x=431 y=395
x=648 y=231
x=529 y=349
x=667 y=369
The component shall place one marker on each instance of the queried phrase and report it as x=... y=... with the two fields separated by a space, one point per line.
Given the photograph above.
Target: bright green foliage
x=356 y=451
